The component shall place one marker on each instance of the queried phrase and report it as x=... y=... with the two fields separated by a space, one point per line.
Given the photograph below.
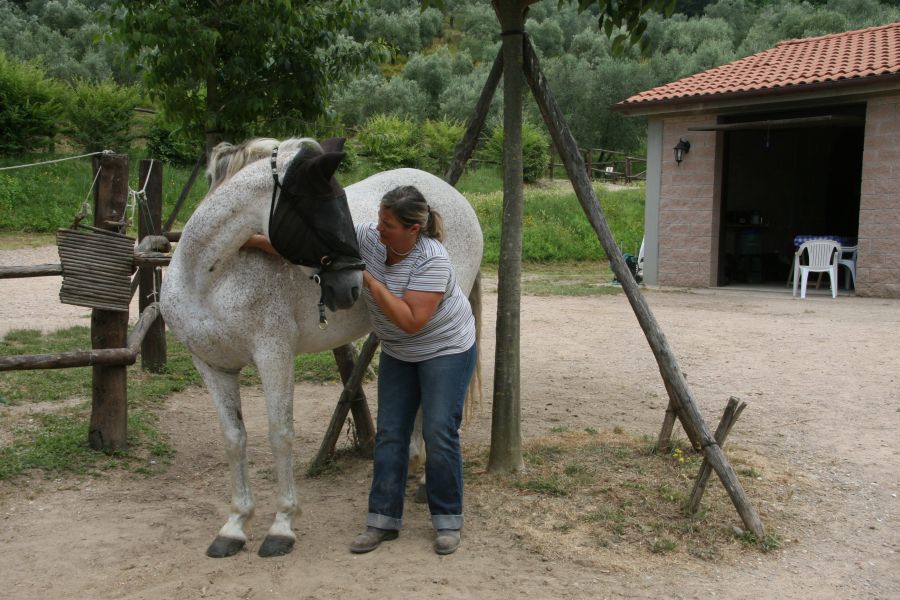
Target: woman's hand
x=260 y=242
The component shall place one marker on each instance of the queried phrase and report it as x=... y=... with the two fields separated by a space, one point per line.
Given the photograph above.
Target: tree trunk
x=211 y=132
x=506 y=435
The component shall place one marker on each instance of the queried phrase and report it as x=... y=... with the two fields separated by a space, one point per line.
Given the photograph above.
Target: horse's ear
x=335 y=144
x=328 y=163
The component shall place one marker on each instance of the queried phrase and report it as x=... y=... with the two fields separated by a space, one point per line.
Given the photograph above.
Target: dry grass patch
x=605 y=498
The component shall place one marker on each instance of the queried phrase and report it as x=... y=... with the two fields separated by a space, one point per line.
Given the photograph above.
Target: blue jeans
x=439 y=385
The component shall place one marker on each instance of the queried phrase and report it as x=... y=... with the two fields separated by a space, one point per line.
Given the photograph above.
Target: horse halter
x=324 y=263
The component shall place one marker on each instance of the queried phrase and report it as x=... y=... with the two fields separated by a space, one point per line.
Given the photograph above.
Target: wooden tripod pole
x=467 y=144
x=686 y=408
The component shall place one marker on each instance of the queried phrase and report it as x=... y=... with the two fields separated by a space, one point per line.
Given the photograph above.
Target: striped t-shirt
x=427 y=268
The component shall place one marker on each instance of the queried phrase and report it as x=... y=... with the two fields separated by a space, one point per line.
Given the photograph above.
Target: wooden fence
x=113 y=348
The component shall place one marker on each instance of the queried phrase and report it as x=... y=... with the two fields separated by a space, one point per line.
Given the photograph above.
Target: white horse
x=233 y=307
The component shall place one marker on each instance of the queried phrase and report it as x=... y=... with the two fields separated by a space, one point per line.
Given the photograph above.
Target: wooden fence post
x=150 y=178
x=108 y=429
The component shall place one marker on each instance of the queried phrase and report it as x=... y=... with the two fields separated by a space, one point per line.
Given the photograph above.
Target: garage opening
x=785 y=175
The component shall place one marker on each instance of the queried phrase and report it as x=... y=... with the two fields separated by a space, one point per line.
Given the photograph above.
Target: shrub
x=100 y=115
x=535 y=151
x=173 y=144
x=439 y=140
x=30 y=106
x=390 y=141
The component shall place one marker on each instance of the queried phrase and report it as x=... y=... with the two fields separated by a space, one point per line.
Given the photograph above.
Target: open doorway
x=786 y=174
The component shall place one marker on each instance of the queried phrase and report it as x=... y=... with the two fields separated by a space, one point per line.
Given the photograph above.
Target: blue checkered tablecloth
x=840 y=239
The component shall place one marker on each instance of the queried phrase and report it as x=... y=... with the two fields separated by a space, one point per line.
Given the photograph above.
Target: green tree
x=228 y=66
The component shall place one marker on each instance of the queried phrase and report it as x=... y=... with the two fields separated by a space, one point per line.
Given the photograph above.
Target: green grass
x=554 y=227
x=53 y=436
x=44 y=198
x=47 y=197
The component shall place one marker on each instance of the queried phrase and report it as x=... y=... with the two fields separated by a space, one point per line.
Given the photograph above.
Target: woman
x=427 y=332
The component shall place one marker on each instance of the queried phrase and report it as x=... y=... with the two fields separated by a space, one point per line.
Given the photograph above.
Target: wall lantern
x=681 y=148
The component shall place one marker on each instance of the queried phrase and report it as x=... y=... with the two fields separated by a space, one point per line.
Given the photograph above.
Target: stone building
x=797 y=141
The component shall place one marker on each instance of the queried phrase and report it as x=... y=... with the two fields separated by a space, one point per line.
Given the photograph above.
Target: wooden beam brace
x=733 y=410
x=350 y=395
x=685 y=407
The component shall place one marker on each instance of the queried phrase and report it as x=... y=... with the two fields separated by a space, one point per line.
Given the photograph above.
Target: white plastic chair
x=847 y=259
x=823 y=256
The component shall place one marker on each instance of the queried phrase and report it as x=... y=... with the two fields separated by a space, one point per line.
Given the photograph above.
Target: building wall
x=651 y=200
x=688 y=205
x=878 y=266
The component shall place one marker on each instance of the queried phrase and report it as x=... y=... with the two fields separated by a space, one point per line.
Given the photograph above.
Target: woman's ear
x=414 y=229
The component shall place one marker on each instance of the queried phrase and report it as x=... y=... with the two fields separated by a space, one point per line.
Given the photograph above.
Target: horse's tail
x=474 y=395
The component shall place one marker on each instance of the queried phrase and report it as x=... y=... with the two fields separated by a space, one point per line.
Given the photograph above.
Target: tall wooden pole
x=686 y=408
x=108 y=429
x=506 y=430
x=150 y=178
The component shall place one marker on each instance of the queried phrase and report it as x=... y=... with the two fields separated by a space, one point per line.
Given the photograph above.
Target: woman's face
x=393 y=233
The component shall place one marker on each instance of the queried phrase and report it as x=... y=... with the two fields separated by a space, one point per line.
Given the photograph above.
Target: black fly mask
x=310 y=224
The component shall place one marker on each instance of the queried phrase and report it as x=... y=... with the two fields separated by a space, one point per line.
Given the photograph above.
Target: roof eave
x=872 y=84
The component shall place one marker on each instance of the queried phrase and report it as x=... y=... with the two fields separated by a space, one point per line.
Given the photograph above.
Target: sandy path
x=820 y=377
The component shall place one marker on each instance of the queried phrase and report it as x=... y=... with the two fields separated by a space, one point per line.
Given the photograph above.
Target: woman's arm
x=411 y=312
x=261 y=242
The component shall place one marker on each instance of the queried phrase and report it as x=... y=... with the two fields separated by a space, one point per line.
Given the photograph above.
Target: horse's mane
x=227 y=159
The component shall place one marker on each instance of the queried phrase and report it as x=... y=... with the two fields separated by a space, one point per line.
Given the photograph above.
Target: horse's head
x=311 y=224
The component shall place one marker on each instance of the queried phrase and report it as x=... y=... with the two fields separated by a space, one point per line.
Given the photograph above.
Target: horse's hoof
x=224 y=546
x=276 y=545
x=421 y=495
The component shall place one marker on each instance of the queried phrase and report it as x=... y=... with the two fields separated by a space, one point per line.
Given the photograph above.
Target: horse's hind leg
x=224 y=388
x=276 y=371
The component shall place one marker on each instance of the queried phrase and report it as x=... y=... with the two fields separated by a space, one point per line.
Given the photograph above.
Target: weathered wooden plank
x=65 y=360
x=30 y=271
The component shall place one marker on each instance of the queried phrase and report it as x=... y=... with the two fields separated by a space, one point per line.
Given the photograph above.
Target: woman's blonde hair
x=410 y=207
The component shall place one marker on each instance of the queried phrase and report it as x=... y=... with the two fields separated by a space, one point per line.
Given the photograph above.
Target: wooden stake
x=682 y=397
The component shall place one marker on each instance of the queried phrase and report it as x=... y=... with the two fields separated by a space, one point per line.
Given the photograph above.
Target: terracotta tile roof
x=838 y=57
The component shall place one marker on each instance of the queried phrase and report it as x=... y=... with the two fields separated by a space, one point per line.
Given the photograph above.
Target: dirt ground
x=820 y=377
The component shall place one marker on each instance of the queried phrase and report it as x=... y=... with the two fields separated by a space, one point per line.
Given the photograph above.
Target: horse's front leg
x=276 y=371
x=224 y=388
